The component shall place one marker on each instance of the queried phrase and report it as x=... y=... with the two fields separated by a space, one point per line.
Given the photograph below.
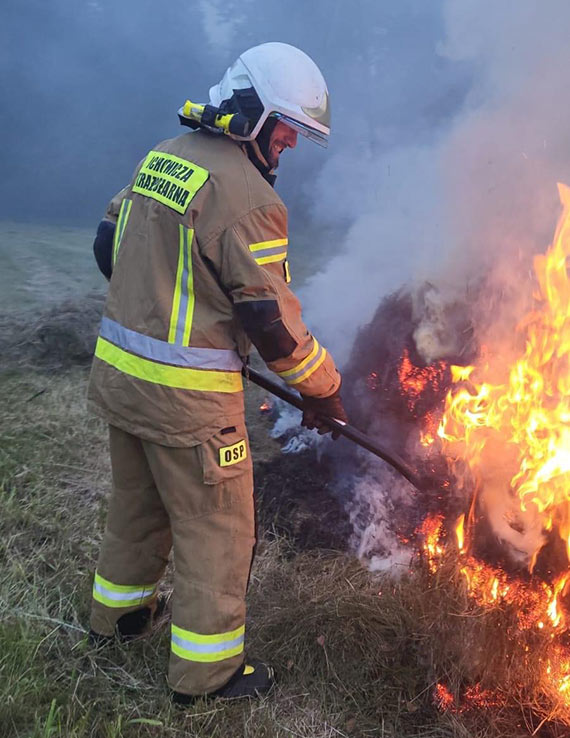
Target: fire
x=460 y=533
x=514 y=431
x=474 y=697
x=431 y=532
x=415 y=380
x=443 y=698
x=507 y=421
x=537 y=607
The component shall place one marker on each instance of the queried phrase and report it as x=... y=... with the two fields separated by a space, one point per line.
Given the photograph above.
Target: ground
x=355 y=654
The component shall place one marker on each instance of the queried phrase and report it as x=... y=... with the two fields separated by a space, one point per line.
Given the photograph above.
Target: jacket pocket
x=226 y=454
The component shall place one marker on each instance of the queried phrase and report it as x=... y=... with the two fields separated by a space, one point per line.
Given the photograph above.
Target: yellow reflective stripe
x=201 y=380
x=121 y=587
x=287 y=271
x=310 y=370
x=121 y=595
x=183 y=299
x=271 y=259
x=303 y=363
x=189 y=313
x=260 y=245
x=116 y=234
x=120 y=226
x=206 y=658
x=177 y=289
x=215 y=638
x=207 y=648
x=110 y=602
x=305 y=368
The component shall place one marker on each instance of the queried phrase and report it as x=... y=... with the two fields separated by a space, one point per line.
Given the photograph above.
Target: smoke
x=481 y=195
x=372 y=516
x=465 y=210
x=90 y=85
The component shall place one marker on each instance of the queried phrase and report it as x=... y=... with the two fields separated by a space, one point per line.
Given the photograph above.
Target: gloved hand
x=331 y=406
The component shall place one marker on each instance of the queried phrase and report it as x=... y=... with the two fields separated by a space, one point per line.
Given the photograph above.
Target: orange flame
x=509 y=420
x=443 y=698
x=414 y=380
x=431 y=531
x=460 y=532
x=515 y=433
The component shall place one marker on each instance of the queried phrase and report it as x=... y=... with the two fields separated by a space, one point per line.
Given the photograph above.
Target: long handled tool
x=346 y=430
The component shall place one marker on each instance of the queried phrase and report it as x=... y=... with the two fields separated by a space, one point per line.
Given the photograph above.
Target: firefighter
x=196 y=251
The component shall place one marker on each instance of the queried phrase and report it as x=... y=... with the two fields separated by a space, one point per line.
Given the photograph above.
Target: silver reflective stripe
x=111 y=595
x=275 y=251
x=292 y=377
x=168 y=353
x=208 y=647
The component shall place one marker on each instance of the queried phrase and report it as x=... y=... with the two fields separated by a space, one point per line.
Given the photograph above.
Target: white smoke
x=478 y=201
x=483 y=194
x=372 y=516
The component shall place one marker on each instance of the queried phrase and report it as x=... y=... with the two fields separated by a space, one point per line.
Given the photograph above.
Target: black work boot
x=130 y=626
x=250 y=680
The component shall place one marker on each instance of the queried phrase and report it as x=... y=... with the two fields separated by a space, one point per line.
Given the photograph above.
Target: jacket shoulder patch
x=170 y=180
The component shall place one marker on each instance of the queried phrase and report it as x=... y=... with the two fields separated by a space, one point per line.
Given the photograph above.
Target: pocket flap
x=226 y=454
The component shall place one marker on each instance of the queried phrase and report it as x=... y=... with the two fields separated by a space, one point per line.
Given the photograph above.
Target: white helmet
x=289 y=86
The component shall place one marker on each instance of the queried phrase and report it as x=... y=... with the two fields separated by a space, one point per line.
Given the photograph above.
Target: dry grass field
x=356 y=654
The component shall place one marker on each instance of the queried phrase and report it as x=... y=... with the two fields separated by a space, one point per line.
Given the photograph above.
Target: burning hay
x=486 y=424
x=506 y=431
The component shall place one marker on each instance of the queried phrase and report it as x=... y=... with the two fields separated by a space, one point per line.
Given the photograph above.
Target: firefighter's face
x=282 y=137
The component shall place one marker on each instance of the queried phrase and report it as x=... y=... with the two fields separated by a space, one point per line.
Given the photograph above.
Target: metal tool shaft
x=345 y=429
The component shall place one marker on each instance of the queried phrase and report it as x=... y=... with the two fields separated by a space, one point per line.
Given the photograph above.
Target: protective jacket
x=199 y=270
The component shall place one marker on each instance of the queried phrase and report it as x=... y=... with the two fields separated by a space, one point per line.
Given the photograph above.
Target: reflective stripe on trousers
x=122 y=595
x=207 y=648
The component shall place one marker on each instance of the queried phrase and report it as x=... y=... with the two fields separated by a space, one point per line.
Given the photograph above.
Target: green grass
x=356 y=654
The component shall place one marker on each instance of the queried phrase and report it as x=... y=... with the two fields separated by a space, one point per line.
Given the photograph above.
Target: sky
x=449 y=128
x=89 y=86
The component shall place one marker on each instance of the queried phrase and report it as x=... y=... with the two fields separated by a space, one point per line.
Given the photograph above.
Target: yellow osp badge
x=233 y=454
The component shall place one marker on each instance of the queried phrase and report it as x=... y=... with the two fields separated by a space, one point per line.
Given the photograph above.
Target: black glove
x=314 y=407
x=103 y=247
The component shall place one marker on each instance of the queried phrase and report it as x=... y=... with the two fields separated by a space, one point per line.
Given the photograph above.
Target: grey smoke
x=480 y=194
x=468 y=207
x=90 y=85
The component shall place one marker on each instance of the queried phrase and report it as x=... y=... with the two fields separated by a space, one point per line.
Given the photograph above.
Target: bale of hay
x=59 y=337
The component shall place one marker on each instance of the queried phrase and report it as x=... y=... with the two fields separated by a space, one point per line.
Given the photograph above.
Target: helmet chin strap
x=258 y=151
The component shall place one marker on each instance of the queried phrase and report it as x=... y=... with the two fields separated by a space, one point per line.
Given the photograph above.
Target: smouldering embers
x=536 y=604
x=506 y=422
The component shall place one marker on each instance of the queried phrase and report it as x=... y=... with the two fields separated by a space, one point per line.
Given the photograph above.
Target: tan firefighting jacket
x=199 y=268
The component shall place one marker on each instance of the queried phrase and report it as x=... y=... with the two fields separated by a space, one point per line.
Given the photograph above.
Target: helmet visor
x=304 y=130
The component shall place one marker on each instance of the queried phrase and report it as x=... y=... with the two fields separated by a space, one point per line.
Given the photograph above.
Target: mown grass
x=355 y=654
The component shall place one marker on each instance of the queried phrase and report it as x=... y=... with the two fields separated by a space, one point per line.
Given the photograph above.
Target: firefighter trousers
x=199 y=501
